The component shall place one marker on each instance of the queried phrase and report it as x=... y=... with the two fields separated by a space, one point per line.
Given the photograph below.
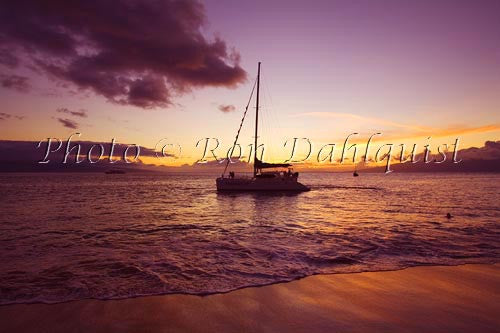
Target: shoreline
x=242 y=287
x=421 y=298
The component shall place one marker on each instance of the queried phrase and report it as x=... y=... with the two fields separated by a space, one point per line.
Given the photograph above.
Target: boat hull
x=256 y=184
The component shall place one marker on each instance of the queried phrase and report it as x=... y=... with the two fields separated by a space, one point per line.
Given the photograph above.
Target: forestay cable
x=239 y=129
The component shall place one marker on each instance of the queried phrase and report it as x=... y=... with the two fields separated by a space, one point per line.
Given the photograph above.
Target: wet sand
x=420 y=299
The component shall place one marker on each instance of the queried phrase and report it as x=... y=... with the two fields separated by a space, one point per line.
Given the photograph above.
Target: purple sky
x=406 y=68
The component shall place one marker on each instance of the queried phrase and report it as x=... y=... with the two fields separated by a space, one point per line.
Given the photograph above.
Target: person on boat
x=231 y=174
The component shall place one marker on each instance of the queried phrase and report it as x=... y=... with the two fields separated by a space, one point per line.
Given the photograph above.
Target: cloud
x=145 y=92
x=68 y=123
x=137 y=53
x=5 y=116
x=80 y=113
x=15 y=82
x=227 y=108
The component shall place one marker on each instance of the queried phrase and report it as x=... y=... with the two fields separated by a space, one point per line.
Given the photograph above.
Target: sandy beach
x=419 y=299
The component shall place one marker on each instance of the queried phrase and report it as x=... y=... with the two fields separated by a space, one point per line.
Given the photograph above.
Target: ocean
x=70 y=236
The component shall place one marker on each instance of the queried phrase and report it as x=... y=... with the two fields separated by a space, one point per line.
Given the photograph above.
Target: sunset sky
x=408 y=69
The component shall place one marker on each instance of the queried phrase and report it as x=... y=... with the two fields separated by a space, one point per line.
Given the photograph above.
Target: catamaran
x=281 y=176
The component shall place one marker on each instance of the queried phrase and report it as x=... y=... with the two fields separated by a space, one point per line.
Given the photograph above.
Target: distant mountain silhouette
x=483 y=159
x=23 y=156
x=463 y=166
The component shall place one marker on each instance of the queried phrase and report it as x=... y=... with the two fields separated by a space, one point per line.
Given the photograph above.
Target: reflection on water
x=73 y=236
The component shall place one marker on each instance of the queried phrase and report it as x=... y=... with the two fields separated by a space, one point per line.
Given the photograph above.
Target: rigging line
x=239 y=129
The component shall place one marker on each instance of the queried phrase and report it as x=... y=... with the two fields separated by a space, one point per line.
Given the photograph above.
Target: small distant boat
x=114 y=172
x=355 y=173
x=281 y=179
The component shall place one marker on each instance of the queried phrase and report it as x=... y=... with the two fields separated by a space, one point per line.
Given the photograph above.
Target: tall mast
x=256 y=123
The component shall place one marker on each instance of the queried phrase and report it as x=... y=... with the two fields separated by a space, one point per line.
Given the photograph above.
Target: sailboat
x=355 y=173
x=280 y=177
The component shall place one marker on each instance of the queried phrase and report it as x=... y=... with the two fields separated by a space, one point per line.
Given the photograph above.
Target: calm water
x=73 y=236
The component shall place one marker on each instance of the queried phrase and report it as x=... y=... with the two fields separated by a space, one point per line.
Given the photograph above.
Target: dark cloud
x=68 y=123
x=148 y=91
x=131 y=52
x=15 y=82
x=227 y=108
x=80 y=113
x=5 y=116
